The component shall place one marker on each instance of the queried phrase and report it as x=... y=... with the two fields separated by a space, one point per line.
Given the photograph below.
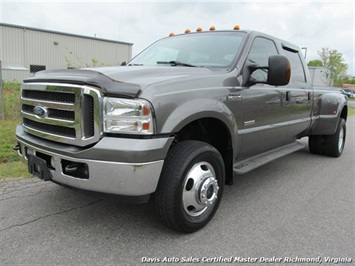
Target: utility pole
x=305 y=52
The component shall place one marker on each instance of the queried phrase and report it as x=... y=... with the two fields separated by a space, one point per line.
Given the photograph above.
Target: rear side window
x=297 y=71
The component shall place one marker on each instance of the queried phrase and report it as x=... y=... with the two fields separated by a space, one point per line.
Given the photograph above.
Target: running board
x=264 y=158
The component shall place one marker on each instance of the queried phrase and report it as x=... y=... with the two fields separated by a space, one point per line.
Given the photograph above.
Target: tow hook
x=16 y=147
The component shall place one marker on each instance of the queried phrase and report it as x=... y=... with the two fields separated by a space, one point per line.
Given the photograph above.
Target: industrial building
x=25 y=50
x=319 y=76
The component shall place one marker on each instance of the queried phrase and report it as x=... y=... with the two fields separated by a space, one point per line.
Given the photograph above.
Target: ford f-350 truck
x=176 y=123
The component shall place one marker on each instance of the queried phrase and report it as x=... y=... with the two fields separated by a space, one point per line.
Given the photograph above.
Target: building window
x=36 y=68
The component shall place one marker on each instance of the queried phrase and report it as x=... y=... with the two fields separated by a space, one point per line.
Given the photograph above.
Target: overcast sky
x=311 y=24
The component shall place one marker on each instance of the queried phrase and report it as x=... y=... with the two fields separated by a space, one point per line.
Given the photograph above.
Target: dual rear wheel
x=332 y=145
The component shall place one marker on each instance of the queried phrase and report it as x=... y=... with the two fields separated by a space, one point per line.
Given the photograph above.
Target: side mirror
x=123 y=63
x=279 y=73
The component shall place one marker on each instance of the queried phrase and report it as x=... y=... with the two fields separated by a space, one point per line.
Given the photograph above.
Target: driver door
x=265 y=111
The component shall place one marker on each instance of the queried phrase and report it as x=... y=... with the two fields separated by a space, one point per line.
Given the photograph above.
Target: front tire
x=190 y=187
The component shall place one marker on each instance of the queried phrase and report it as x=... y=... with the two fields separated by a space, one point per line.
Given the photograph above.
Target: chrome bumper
x=119 y=178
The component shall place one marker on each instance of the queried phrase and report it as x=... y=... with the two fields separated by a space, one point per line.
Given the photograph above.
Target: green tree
x=334 y=62
x=348 y=79
x=351 y=80
x=315 y=63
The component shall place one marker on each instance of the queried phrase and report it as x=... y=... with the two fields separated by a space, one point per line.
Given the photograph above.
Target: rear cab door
x=299 y=93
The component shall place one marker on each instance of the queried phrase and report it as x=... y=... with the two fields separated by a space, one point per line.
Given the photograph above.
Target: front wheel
x=190 y=187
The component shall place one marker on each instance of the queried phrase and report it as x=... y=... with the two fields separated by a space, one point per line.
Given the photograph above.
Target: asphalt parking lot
x=299 y=207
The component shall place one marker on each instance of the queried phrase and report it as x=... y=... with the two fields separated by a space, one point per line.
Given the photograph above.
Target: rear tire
x=315 y=144
x=190 y=187
x=334 y=144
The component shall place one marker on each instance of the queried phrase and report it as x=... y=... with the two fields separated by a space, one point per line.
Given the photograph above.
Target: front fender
x=194 y=109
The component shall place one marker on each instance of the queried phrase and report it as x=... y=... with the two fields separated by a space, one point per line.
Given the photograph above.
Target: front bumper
x=109 y=170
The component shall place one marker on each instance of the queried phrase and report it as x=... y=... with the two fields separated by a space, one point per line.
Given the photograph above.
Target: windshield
x=210 y=49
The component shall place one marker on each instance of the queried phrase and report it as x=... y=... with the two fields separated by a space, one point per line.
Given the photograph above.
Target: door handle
x=233 y=97
x=288 y=96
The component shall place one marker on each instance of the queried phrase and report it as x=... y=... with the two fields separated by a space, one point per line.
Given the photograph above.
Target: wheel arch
x=214 y=132
x=203 y=119
x=329 y=109
x=344 y=112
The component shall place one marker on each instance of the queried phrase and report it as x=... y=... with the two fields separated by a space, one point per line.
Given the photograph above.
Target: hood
x=127 y=81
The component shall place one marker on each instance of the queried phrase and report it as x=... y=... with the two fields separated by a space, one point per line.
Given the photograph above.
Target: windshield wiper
x=175 y=63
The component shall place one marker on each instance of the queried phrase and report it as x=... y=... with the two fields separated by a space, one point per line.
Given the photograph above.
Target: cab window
x=297 y=71
x=259 y=54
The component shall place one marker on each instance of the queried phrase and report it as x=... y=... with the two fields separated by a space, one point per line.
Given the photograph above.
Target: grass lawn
x=351 y=111
x=10 y=163
x=13 y=170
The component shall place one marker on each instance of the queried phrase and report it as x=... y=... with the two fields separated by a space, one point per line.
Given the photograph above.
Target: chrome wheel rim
x=200 y=189
x=341 y=139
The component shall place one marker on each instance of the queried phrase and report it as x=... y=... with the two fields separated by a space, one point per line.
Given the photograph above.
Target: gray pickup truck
x=177 y=122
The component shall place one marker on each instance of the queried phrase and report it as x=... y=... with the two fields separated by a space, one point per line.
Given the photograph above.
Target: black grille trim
x=61 y=114
x=89 y=116
x=27 y=108
x=63 y=97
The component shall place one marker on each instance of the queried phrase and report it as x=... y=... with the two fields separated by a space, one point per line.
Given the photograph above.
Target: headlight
x=128 y=116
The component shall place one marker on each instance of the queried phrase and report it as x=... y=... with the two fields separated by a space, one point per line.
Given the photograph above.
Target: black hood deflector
x=104 y=83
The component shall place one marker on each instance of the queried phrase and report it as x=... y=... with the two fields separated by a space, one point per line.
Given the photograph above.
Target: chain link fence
x=1 y=94
x=9 y=98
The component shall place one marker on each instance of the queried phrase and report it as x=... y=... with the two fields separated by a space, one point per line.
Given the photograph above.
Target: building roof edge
x=61 y=33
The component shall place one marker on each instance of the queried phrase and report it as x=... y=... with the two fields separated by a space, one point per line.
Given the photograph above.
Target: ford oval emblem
x=40 y=111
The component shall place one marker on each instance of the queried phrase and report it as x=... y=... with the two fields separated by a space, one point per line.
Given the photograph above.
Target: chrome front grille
x=61 y=112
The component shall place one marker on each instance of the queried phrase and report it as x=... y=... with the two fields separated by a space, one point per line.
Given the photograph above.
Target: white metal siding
x=12 y=47
x=22 y=47
x=319 y=76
